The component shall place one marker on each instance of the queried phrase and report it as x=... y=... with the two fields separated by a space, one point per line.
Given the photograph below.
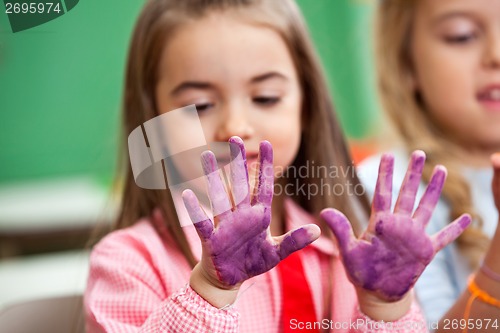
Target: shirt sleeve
x=412 y=322
x=125 y=293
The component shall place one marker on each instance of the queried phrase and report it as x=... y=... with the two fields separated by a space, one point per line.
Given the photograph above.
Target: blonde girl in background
x=250 y=69
x=438 y=66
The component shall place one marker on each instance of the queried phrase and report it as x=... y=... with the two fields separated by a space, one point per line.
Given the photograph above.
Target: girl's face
x=455 y=51
x=241 y=78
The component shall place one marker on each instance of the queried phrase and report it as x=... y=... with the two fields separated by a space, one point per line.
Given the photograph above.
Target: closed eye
x=204 y=107
x=461 y=39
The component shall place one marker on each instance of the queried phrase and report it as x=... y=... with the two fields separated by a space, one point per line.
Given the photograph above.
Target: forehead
x=482 y=8
x=222 y=45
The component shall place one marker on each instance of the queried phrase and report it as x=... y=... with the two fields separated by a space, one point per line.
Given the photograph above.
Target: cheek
x=443 y=96
x=445 y=76
x=181 y=132
x=450 y=105
x=447 y=87
x=285 y=138
x=209 y=124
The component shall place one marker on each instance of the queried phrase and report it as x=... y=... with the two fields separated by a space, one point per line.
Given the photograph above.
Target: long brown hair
x=412 y=121
x=322 y=139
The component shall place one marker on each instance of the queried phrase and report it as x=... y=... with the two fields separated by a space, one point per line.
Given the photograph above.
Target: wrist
x=486 y=283
x=213 y=293
x=379 y=309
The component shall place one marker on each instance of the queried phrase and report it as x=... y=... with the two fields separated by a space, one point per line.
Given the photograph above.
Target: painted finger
x=450 y=232
x=239 y=172
x=221 y=204
x=431 y=196
x=297 y=239
x=383 y=191
x=341 y=228
x=201 y=221
x=409 y=188
x=265 y=185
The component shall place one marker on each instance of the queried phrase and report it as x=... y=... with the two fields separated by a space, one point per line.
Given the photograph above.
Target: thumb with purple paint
x=387 y=259
x=238 y=244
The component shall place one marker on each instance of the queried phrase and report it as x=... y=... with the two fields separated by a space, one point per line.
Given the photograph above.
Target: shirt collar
x=297 y=217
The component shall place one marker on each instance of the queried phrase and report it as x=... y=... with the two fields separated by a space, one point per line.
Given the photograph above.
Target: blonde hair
x=412 y=121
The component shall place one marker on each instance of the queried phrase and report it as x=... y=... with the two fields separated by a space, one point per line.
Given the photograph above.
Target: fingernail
x=208 y=161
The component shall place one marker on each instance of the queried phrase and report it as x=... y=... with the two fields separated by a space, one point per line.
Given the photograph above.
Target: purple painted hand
x=241 y=246
x=394 y=250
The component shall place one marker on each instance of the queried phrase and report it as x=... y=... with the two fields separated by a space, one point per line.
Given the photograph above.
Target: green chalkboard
x=61 y=84
x=60 y=91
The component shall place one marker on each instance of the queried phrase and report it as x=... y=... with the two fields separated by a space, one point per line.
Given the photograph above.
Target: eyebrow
x=201 y=85
x=191 y=85
x=268 y=76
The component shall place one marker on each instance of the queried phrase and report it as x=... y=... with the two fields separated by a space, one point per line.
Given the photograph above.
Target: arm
x=126 y=292
x=385 y=262
x=479 y=310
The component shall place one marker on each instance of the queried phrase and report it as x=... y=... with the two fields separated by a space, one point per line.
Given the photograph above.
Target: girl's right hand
x=387 y=259
x=240 y=246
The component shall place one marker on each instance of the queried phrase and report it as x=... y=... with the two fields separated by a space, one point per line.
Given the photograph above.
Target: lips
x=252 y=156
x=490 y=93
x=490 y=97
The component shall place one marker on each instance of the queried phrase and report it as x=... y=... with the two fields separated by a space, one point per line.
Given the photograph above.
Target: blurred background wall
x=60 y=97
x=61 y=84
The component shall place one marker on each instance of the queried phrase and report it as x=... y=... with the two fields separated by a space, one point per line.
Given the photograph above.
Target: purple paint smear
x=395 y=249
x=241 y=245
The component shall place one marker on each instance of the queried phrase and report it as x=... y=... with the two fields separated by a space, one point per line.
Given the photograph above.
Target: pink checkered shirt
x=138 y=282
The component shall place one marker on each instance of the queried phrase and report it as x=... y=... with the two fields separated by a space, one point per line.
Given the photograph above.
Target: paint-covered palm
x=240 y=245
x=394 y=250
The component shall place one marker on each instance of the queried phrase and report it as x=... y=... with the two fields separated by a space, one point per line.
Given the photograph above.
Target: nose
x=234 y=122
x=492 y=52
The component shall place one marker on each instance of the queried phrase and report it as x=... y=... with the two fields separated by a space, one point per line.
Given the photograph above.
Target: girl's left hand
x=393 y=252
x=239 y=245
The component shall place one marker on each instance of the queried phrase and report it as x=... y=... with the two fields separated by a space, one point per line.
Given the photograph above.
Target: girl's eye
x=461 y=39
x=203 y=107
x=266 y=100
